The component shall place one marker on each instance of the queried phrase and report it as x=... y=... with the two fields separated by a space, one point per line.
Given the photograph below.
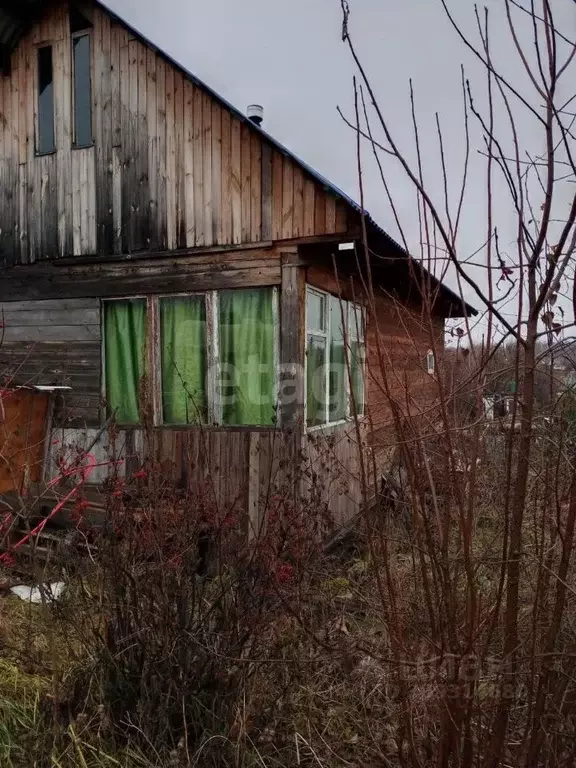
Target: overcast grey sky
x=288 y=56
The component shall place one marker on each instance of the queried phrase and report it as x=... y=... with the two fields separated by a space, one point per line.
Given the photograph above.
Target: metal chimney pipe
x=255 y=113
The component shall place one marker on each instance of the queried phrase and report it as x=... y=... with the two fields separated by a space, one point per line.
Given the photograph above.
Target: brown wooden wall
x=397 y=343
x=55 y=343
x=171 y=168
x=238 y=470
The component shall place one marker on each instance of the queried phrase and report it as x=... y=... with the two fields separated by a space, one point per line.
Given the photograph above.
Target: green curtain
x=338 y=370
x=124 y=350
x=183 y=355
x=316 y=381
x=248 y=365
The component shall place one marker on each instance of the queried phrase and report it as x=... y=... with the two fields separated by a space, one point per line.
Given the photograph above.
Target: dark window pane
x=315 y=309
x=357 y=354
x=82 y=92
x=338 y=371
x=45 y=101
x=316 y=381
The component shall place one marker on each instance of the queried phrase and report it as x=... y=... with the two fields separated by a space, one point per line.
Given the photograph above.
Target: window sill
x=84 y=146
x=45 y=154
x=199 y=428
x=333 y=425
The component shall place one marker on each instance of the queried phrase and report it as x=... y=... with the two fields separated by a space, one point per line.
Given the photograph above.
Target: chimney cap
x=255 y=113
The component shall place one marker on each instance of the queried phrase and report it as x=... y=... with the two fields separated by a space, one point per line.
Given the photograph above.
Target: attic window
x=82 y=91
x=45 y=141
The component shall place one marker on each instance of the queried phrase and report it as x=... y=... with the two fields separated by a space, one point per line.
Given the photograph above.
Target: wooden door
x=23 y=415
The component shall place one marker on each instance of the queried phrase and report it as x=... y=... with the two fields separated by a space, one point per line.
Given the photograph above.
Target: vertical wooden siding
x=241 y=472
x=170 y=167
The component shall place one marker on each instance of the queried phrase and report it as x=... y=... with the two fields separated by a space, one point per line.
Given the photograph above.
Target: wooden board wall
x=170 y=168
x=55 y=343
x=239 y=471
x=22 y=433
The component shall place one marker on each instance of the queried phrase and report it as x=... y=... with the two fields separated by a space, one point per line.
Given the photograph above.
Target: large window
x=45 y=127
x=197 y=359
x=335 y=354
x=82 y=90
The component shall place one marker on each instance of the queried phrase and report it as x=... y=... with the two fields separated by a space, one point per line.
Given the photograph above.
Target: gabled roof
x=16 y=17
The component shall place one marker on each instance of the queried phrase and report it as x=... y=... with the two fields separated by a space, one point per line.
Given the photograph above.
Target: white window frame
x=351 y=334
x=154 y=357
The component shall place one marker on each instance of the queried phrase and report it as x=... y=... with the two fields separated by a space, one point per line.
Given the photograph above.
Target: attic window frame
x=44 y=46
x=74 y=36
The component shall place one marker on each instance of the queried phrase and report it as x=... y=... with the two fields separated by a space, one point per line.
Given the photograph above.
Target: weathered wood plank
x=277 y=184
x=125 y=142
x=189 y=164
x=255 y=188
x=236 y=181
x=131 y=198
x=179 y=175
x=63 y=103
x=142 y=141
x=105 y=218
x=167 y=280
x=68 y=305
x=266 y=172
x=246 y=169
x=217 y=228
x=330 y=214
x=51 y=333
x=298 y=221
x=198 y=168
x=320 y=212
x=341 y=216
x=287 y=198
x=116 y=104
x=34 y=317
x=152 y=164
x=170 y=161
x=292 y=343
x=207 y=159
x=226 y=173
x=309 y=208
x=161 y=134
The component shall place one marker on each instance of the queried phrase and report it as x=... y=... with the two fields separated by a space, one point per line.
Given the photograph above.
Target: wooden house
x=153 y=237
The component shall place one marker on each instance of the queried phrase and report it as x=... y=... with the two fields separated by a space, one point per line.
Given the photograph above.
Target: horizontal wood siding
x=55 y=343
x=242 y=269
x=170 y=167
